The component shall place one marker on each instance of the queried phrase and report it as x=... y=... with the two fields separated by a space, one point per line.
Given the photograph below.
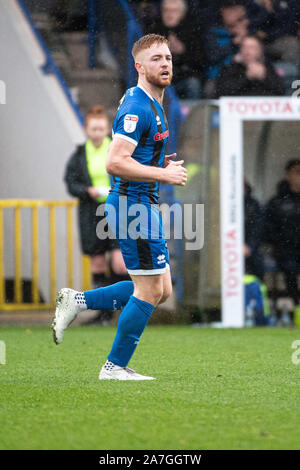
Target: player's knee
x=156 y=293
x=117 y=263
x=119 y=269
x=166 y=294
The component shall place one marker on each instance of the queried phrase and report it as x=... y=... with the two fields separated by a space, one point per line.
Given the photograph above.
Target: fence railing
x=17 y=205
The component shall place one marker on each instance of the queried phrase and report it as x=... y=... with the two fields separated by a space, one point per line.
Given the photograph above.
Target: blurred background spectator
x=186 y=45
x=69 y=15
x=282 y=227
x=146 y=11
x=222 y=40
x=275 y=22
x=250 y=74
x=253 y=222
x=275 y=19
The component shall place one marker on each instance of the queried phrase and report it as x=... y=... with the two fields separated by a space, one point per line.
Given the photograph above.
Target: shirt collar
x=148 y=94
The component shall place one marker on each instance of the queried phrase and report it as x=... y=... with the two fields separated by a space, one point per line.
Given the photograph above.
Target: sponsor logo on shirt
x=161 y=136
x=130 y=122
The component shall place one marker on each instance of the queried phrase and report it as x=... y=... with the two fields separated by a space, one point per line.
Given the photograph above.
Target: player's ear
x=139 y=67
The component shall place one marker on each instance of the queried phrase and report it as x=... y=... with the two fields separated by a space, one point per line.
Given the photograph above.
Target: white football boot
x=66 y=311
x=121 y=373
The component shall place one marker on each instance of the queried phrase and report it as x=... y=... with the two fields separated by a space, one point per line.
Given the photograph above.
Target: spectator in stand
x=86 y=179
x=277 y=24
x=146 y=12
x=69 y=15
x=186 y=47
x=282 y=227
x=274 y=19
x=223 y=40
x=253 y=231
x=250 y=74
x=203 y=12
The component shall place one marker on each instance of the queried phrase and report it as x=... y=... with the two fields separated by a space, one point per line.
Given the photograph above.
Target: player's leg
x=148 y=288
x=98 y=269
x=115 y=272
x=70 y=302
x=118 y=268
x=147 y=261
x=114 y=296
x=167 y=285
x=148 y=291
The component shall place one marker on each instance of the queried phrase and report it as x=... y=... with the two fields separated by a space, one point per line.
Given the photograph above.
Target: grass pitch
x=215 y=389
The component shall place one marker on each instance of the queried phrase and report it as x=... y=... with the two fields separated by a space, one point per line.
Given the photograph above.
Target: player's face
x=96 y=130
x=157 y=66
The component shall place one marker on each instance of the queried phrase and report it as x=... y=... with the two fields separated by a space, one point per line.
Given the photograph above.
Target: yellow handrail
x=35 y=205
x=2 y=286
x=18 y=254
x=35 y=255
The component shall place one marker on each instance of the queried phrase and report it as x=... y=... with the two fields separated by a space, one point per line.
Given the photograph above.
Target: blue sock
x=112 y=297
x=131 y=325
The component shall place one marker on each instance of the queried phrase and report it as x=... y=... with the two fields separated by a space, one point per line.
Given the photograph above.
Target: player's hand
x=93 y=192
x=175 y=173
x=168 y=159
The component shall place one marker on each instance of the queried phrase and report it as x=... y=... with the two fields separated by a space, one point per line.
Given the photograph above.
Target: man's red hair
x=147 y=41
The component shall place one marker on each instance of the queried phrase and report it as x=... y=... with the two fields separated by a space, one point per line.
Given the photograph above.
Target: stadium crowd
x=219 y=47
x=228 y=47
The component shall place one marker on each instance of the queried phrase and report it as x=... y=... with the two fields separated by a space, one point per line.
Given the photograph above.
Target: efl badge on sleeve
x=130 y=122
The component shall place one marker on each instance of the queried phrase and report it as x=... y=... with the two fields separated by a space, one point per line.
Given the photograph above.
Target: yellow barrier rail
x=17 y=205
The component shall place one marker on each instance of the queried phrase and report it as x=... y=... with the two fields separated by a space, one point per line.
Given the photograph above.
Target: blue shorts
x=138 y=227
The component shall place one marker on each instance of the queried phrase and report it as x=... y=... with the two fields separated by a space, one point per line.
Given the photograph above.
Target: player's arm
x=120 y=163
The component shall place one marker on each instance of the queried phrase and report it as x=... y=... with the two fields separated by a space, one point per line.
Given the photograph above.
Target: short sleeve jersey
x=142 y=121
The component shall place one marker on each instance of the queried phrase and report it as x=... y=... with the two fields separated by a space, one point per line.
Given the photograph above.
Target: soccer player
x=138 y=164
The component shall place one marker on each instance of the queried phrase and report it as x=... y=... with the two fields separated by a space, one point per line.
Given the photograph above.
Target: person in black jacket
x=86 y=179
x=253 y=231
x=282 y=227
x=185 y=39
x=250 y=74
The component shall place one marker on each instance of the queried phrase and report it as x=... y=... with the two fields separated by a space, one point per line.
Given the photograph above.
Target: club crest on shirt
x=130 y=122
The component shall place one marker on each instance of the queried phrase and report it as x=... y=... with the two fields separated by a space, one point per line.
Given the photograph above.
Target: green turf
x=215 y=389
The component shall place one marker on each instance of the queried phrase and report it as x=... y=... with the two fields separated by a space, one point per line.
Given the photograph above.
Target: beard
x=157 y=80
